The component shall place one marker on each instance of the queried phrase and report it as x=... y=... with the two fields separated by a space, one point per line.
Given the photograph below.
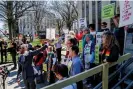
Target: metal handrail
x=101 y=68
x=127 y=63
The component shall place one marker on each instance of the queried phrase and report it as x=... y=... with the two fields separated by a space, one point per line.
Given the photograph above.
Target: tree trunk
x=10 y=29
x=10 y=17
x=69 y=26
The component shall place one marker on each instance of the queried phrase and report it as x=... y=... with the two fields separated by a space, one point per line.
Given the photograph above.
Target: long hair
x=110 y=40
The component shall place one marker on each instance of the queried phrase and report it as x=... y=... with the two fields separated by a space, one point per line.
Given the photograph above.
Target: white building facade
x=91 y=11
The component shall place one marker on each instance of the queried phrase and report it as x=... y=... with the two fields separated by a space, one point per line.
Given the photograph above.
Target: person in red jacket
x=38 y=62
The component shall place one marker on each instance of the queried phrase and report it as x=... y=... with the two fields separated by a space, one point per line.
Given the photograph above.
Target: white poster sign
x=99 y=37
x=50 y=33
x=82 y=23
x=126 y=13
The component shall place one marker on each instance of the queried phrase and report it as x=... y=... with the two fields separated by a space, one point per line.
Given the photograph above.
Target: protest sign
x=99 y=37
x=126 y=13
x=108 y=11
x=82 y=23
x=97 y=47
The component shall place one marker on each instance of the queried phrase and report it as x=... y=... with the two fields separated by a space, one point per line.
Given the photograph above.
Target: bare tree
x=40 y=11
x=59 y=25
x=11 y=11
x=67 y=10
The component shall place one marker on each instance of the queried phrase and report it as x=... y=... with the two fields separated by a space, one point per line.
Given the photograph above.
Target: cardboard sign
x=126 y=13
x=108 y=11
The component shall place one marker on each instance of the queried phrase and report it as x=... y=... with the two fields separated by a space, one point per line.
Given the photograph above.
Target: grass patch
x=36 y=42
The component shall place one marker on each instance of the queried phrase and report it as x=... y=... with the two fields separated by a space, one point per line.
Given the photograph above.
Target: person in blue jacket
x=85 y=32
x=89 y=56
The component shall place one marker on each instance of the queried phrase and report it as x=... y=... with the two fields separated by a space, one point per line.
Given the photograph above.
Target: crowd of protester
x=31 y=59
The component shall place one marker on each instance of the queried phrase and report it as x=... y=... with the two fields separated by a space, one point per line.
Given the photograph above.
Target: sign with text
x=126 y=13
x=42 y=34
x=50 y=33
x=99 y=38
x=97 y=47
x=82 y=23
x=108 y=11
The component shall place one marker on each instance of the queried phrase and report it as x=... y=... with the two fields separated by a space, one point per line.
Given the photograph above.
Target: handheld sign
x=126 y=13
x=108 y=11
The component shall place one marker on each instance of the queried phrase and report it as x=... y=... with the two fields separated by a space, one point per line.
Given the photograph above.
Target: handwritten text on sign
x=126 y=13
x=108 y=11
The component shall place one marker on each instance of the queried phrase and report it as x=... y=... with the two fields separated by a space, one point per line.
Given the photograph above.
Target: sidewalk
x=11 y=80
x=12 y=84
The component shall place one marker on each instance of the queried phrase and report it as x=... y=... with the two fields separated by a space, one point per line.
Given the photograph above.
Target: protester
x=38 y=62
x=70 y=43
x=29 y=46
x=92 y=31
x=89 y=56
x=104 y=27
x=110 y=53
x=3 y=45
x=77 y=66
x=13 y=52
x=85 y=32
x=26 y=67
x=119 y=33
x=58 y=47
x=73 y=35
x=110 y=48
x=51 y=61
x=61 y=72
x=89 y=52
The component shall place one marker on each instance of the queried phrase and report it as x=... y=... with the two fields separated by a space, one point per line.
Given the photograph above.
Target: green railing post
x=105 y=76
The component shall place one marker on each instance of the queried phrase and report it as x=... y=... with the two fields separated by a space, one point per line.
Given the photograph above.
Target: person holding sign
x=104 y=27
x=119 y=33
x=89 y=56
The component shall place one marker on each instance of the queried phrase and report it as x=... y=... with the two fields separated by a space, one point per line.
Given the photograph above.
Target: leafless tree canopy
x=11 y=11
x=67 y=11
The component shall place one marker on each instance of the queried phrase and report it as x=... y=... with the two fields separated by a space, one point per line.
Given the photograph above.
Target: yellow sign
x=97 y=54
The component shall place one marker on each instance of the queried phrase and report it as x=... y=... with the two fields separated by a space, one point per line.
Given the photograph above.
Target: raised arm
x=33 y=53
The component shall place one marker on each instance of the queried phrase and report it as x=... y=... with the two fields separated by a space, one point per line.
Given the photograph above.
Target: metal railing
x=104 y=68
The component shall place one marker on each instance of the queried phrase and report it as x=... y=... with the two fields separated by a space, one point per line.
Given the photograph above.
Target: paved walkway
x=11 y=80
x=12 y=84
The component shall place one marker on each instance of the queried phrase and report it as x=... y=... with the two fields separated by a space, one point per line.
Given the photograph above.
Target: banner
x=126 y=13
x=108 y=11
x=82 y=23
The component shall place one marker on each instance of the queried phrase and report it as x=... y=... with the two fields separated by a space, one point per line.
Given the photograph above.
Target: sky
x=1 y=25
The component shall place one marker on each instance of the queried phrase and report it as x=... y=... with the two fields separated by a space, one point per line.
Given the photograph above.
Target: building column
x=90 y=12
x=96 y=15
x=106 y=20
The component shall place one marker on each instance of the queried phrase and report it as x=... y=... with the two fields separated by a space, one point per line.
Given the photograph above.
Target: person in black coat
x=3 y=47
x=110 y=52
x=13 y=51
x=25 y=65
